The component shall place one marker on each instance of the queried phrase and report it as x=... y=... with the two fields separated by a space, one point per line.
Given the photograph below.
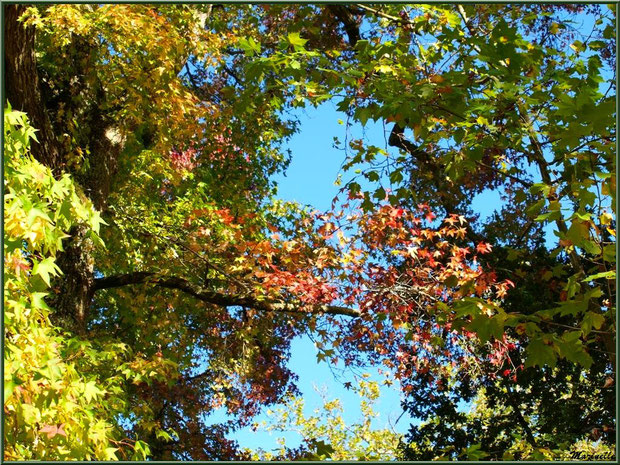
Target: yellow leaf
x=110 y=453
x=606 y=218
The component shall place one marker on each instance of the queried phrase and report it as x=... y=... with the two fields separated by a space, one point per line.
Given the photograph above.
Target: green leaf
x=577 y=232
x=37 y=300
x=592 y=320
x=535 y=209
x=572 y=286
x=362 y=114
x=95 y=220
x=380 y=194
x=539 y=353
x=480 y=325
x=609 y=253
x=571 y=348
x=91 y=391
x=571 y=336
x=9 y=387
x=396 y=176
x=296 y=41
x=141 y=450
x=473 y=452
x=110 y=453
x=354 y=188
x=37 y=213
x=573 y=307
x=451 y=281
x=324 y=450
x=591 y=247
x=549 y=216
x=249 y=46
x=496 y=325
x=385 y=69
x=605 y=274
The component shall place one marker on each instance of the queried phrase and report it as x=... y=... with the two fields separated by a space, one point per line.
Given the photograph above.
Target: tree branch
x=381 y=14
x=191 y=76
x=344 y=14
x=543 y=166
x=217 y=298
x=397 y=139
x=520 y=419
x=523 y=182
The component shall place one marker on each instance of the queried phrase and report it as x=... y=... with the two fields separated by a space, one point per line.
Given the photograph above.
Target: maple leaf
x=452 y=219
x=18 y=264
x=430 y=216
x=53 y=430
x=387 y=270
x=436 y=78
x=483 y=247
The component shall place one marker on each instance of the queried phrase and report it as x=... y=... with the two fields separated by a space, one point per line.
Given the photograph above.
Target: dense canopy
x=152 y=276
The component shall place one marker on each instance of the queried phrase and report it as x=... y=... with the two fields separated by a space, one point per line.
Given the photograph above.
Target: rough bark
x=350 y=22
x=73 y=293
x=23 y=85
x=105 y=144
x=397 y=139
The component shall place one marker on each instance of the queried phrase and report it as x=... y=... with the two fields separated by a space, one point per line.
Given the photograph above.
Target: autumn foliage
x=153 y=277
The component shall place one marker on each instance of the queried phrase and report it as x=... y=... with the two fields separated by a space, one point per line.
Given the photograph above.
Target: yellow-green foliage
x=61 y=393
x=328 y=436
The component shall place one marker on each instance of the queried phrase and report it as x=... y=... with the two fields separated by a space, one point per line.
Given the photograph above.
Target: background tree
x=325 y=434
x=141 y=227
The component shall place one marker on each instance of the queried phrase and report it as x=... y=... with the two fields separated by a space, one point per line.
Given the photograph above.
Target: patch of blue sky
x=316 y=164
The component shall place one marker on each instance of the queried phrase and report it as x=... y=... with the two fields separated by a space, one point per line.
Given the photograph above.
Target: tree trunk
x=74 y=291
x=22 y=84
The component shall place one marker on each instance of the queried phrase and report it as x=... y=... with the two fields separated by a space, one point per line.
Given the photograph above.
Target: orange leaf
x=61 y=430
x=483 y=248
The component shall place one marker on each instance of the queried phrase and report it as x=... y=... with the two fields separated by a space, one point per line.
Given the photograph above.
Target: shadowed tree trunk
x=23 y=85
